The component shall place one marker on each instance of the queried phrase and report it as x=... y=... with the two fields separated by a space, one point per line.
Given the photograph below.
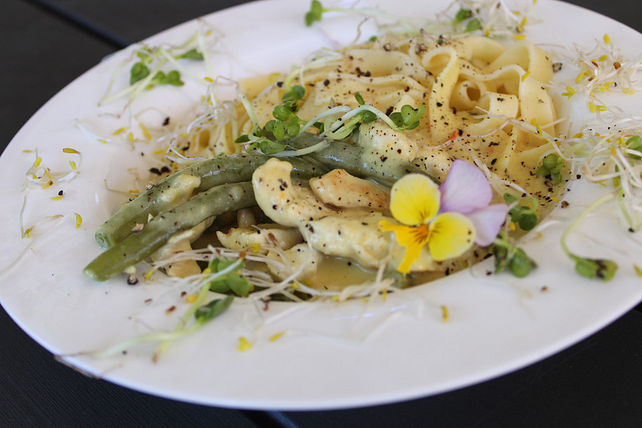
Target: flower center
x=421 y=233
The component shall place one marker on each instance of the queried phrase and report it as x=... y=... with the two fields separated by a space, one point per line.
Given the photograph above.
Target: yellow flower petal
x=414 y=199
x=412 y=237
x=451 y=234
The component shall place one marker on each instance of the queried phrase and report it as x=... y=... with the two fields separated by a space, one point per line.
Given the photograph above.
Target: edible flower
x=447 y=218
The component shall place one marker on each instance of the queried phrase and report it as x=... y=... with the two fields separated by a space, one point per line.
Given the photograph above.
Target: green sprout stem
x=305 y=151
x=317 y=10
x=180 y=327
x=148 y=56
x=623 y=209
x=366 y=107
x=167 y=338
x=340 y=129
x=143 y=83
x=287 y=82
x=145 y=338
x=206 y=58
x=512 y=258
x=134 y=89
x=571 y=228
x=603 y=269
x=251 y=113
x=200 y=299
x=330 y=112
x=179 y=67
x=187 y=42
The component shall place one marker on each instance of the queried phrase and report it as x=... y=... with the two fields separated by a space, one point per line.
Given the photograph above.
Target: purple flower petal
x=466 y=189
x=487 y=223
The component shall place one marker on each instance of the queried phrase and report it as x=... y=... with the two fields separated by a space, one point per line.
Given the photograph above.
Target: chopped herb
x=359 y=99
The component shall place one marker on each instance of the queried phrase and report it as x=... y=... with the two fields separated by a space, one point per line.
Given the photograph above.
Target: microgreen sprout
x=473 y=25
x=402 y=24
x=199 y=310
x=467 y=15
x=462 y=15
x=285 y=125
x=146 y=72
x=408 y=118
x=317 y=10
x=315 y=13
x=603 y=269
x=138 y=72
x=522 y=215
x=602 y=69
x=492 y=18
x=191 y=54
x=359 y=99
x=232 y=281
x=273 y=136
x=508 y=256
x=212 y=309
x=607 y=154
x=160 y=78
x=634 y=143
x=551 y=168
x=296 y=93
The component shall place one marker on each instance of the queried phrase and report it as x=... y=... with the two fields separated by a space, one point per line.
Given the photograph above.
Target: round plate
x=330 y=355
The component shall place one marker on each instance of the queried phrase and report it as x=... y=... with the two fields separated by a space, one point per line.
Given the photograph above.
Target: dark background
x=48 y=43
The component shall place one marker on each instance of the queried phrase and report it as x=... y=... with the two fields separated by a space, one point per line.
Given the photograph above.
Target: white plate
x=332 y=355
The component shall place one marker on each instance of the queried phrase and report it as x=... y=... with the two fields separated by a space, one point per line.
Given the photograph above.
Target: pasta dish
x=313 y=155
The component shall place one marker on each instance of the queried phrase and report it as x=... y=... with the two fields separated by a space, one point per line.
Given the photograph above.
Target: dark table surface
x=48 y=43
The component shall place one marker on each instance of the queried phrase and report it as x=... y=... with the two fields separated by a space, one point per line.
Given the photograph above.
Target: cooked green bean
x=340 y=154
x=212 y=172
x=138 y=246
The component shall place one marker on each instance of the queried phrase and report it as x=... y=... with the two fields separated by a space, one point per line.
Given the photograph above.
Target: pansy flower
x=446 y=218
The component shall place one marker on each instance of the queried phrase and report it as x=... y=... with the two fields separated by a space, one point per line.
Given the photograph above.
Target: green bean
x=349 y=156
x=212 y=172
x=156 y=233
